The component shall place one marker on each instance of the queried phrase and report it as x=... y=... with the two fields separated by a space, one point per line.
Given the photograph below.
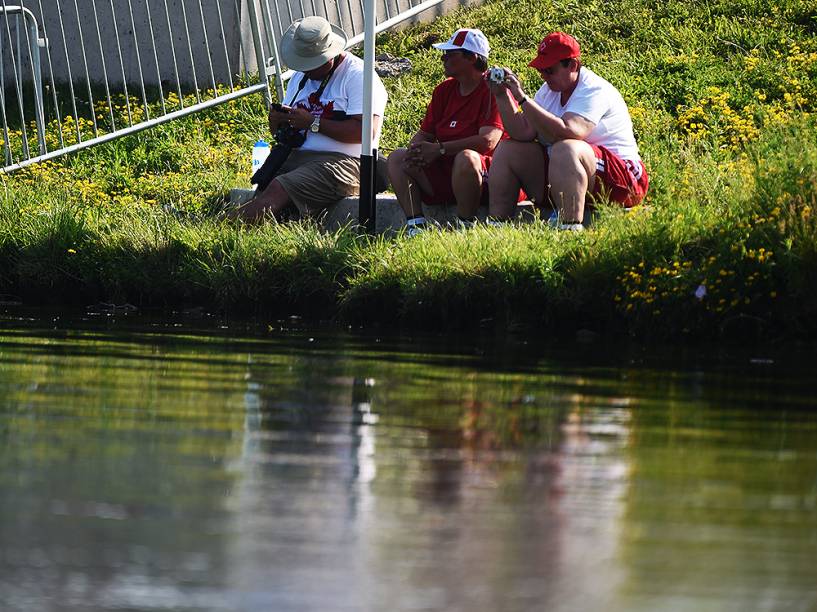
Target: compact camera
x=286 y=134
x=496 y=75
x=289 y=136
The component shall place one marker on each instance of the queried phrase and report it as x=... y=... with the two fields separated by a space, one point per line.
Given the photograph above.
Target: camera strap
x=318 y=92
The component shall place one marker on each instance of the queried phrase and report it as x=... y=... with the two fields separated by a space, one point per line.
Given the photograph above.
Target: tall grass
x=722 y=95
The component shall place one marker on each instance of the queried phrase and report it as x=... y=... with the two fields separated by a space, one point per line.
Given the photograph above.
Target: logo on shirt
x=453 y=124
x=314 y=105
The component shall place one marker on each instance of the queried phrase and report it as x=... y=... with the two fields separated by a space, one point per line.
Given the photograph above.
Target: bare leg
x=408 y=183
x=515 y=164
x=272 y=200
x=572 y=173
x=466 y=182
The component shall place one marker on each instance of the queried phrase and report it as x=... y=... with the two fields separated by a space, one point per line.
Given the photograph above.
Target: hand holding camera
x=278 y=115
x=513 y=85
x=287 y=137
x=287 y=124
x=496 y=75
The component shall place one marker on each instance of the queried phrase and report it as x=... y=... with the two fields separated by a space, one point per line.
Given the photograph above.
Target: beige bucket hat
x=311 y=42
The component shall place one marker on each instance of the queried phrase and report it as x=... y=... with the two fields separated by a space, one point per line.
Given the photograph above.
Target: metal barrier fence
x=83 y=72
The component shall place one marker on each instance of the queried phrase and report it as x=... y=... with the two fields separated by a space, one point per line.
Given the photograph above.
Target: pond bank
x=525 y=277
x=743 y=265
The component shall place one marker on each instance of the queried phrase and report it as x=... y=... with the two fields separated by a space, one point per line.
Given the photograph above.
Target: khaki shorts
x=313 y=179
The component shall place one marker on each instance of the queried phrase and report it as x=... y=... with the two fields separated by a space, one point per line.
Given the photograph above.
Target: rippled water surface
x=159 y=468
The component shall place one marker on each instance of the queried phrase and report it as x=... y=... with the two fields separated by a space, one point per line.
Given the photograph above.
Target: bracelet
x=522 y=101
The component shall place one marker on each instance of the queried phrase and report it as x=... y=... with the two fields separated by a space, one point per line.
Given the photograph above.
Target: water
x=162 y=468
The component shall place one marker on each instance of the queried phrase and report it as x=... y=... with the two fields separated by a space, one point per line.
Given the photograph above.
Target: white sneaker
x=555 y=223
x=570 y=227
x=414 y=230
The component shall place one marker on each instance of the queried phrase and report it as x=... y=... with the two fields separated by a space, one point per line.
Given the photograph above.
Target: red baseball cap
x=554 y=48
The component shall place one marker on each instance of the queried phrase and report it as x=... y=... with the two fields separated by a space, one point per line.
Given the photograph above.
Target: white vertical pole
x=255 y=28
x=367 y=206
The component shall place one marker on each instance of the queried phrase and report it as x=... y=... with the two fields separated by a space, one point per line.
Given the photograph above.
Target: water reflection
x=318 y=470
x=417 y=488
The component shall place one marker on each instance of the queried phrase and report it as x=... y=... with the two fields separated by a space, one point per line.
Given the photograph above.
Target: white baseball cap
x=466 y=39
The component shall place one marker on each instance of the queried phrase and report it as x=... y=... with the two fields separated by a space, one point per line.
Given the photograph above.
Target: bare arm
x=275 y=118
x=515 y=123
x=424 y=152
x=569 y=126
x=534 y=120
x=483 y=142
x=422 y=136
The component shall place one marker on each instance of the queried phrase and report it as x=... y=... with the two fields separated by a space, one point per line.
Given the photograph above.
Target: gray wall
x=105 y=30
x=73 y=25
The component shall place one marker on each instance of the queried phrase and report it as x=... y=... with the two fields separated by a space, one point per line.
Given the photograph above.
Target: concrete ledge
x=389 y=217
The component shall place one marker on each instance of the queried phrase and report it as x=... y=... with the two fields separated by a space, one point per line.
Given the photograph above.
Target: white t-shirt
x=598 y=101
x=343 y=92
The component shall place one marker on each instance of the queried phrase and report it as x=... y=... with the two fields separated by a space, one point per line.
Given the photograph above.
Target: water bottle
x=260 y=150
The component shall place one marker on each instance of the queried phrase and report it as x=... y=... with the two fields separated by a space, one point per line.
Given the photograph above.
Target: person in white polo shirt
x=323 y=103
x=570 y=144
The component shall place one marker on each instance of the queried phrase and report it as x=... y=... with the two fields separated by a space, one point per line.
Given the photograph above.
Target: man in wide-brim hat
x=324 y=103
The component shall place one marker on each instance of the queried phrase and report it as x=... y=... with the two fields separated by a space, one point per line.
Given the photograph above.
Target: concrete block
x=389 y=217
x=241 y=195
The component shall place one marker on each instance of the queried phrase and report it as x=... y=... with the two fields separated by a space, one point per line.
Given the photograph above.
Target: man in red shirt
x=447 y=160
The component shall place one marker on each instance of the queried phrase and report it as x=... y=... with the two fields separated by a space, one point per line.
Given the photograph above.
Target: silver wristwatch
x=316 y=125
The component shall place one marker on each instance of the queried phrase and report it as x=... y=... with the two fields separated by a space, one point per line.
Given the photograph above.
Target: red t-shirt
x=450 y=116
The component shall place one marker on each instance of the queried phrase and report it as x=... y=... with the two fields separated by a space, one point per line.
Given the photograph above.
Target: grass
x=722 y=96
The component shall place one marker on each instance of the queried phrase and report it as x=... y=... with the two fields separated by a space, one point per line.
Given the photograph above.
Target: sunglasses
x=551 y=70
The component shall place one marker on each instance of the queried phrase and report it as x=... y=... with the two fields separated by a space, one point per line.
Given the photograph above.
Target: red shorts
x=439 y=175
x=621 y=180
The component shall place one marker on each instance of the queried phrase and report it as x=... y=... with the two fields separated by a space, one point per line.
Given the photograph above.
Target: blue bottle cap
x=261 y=143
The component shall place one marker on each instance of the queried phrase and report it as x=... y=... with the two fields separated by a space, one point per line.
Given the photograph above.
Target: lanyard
x=335 y=63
